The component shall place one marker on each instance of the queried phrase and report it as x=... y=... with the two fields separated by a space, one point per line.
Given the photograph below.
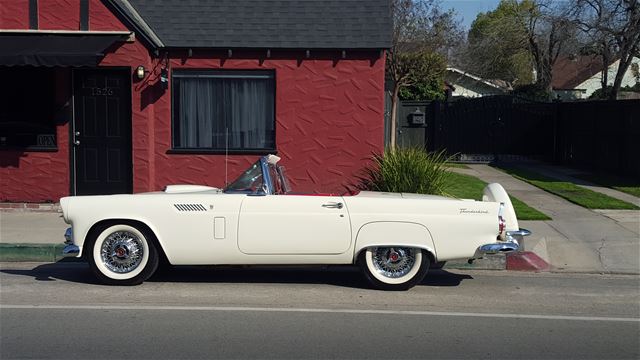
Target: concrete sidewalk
x=31 y=236
x=576 y=239
x=31 y=227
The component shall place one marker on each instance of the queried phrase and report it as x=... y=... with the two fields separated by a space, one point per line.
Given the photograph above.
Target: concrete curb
x=31 y=252
x=526 y=261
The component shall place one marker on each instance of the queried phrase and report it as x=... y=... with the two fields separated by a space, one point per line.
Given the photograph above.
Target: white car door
x=293 y=224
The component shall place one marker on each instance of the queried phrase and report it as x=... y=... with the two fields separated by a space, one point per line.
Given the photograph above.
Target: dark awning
x=49 y=49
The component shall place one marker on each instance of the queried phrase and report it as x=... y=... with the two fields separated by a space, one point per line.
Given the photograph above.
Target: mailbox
x=417 y=117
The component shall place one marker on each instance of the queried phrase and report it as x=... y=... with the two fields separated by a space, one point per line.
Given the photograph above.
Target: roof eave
x=142 y=29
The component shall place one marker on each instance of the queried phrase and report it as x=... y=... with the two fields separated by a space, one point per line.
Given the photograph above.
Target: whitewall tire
x=394 y=268
x=122 y=254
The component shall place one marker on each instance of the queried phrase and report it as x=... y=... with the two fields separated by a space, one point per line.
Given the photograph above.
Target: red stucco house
x=121 y=96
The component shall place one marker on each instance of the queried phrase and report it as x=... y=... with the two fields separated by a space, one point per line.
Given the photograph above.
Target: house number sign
x=106 y=91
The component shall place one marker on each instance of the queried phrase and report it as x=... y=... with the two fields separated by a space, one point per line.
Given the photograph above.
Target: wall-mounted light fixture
x=140 y=72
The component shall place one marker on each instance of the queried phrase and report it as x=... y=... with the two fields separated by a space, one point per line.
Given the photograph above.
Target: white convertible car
x=257 y=220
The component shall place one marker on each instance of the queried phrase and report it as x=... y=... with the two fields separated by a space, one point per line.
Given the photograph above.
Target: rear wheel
x=122 y=254
x=394 y=268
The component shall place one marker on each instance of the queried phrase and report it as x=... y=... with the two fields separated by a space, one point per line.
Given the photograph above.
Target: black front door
x=102 y=132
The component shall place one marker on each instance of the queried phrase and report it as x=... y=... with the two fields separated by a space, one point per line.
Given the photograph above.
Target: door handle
x=333 y=205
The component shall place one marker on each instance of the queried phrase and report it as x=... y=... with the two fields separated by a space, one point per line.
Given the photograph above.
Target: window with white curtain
x=223 y=109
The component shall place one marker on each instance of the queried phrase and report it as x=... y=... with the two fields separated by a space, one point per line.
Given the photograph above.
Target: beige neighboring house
x=463 y=84
x=576 y=78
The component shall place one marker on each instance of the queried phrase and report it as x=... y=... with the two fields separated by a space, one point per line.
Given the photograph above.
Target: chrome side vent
x=190 y=207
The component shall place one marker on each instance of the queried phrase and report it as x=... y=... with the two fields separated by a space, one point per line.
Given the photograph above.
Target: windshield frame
x=268 y=186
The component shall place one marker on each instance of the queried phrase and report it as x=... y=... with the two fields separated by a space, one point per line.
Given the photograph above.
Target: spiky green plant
x=408 y=170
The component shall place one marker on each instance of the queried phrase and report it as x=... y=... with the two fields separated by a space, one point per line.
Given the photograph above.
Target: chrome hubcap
x=393 y=262
x=122 y=252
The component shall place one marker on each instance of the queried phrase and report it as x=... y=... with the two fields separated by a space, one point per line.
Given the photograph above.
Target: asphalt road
x=57 y=311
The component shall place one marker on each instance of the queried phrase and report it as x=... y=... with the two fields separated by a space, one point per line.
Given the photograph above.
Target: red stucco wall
x=14 y=14
x=329 y=119
x=59 y=14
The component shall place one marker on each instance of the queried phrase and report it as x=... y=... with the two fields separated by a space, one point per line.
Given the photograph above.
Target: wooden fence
x=599 y=136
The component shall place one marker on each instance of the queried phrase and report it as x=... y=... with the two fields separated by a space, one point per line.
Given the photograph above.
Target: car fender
x=394 y=233
x=83 y=230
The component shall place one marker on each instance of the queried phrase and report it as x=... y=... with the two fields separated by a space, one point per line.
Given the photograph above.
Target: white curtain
x=210 y=106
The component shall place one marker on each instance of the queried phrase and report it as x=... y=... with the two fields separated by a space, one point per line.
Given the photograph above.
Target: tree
x=426 y=78
x=549 y=31
x=518 y=37
x=420 y=27
x=612 y=28
x=497 y=47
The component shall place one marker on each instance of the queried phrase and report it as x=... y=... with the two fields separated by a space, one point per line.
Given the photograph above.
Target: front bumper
x=70 y=249
x=511 y=243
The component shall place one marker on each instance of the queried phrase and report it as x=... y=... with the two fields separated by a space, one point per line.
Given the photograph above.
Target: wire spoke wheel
x=122 y=253
x=393 y=262
x=394 y=267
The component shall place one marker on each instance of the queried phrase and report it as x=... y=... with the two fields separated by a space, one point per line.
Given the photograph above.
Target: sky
x=468 y=9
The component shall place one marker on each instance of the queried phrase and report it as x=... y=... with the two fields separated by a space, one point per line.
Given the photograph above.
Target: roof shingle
x=291 y=24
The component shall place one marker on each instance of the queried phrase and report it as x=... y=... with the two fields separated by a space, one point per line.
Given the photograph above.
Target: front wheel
x=394 y=268
x=122 y=254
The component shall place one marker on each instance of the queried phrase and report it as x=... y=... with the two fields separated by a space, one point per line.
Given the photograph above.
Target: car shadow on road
x=72 y=271
x=344 y=276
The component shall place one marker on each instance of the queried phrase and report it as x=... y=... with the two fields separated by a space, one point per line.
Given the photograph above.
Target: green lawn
x=571 y=192
x=469 y=187
x=629 y=186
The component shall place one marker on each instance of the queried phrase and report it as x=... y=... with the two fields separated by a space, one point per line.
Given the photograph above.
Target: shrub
x=409 y=170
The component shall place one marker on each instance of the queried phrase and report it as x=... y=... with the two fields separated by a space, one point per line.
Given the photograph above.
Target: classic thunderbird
x=257 y=220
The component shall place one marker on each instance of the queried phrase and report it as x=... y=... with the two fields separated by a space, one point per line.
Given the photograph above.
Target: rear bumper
x=512 y=243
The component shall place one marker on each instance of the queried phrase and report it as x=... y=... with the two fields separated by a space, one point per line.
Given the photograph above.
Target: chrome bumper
x=70 y=249
x=512 y=243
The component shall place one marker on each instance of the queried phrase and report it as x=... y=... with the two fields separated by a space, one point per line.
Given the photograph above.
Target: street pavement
x=58 y=311
x=576 y=239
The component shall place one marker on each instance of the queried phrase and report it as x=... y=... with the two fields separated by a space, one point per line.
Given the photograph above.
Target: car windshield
x=251 y=180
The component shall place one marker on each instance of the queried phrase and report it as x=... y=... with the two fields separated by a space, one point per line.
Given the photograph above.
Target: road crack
x=600 y=255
